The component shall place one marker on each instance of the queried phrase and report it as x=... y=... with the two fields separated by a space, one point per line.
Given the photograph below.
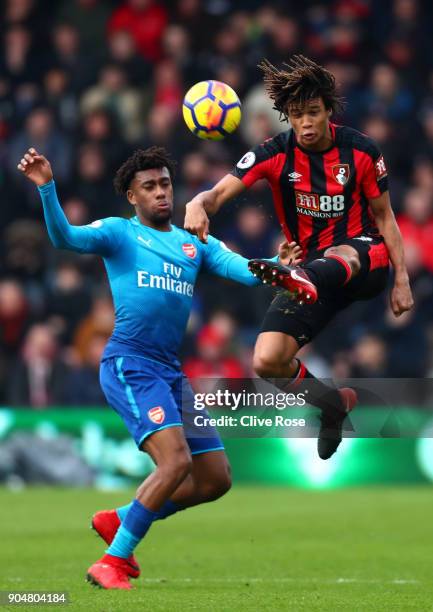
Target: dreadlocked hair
x=298 y=81
x=142 y=159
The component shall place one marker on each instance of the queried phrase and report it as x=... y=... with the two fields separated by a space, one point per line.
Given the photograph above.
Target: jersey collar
x=137 y=221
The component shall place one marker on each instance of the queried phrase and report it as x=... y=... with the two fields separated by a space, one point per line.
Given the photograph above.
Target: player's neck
x=164 y=227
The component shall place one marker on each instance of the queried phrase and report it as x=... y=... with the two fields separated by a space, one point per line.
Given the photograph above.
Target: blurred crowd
x=87 y=81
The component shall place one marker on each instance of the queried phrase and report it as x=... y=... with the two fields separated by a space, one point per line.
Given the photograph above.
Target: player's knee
x=182 y=464
x=273 y=365
x=355 y=264
x=349 y=255
x=265 y=365
x=176 y=466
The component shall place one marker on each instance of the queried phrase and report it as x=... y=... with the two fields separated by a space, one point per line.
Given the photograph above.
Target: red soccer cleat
x=293 y=279
x=109 y=573
x=106 y=523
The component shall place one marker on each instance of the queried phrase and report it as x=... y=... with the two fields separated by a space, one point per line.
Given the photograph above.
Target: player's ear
x=131 y=197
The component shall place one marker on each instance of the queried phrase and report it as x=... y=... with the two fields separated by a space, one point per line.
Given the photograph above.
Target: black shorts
x=304 y=322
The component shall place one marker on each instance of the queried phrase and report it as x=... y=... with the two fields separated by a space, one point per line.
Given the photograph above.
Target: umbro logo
x=146 y=242
x=295 y=177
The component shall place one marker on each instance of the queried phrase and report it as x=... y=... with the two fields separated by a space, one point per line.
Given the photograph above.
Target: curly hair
x=298 y=81
x=142 y=159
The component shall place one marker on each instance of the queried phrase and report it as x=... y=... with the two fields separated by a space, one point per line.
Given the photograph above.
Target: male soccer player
x=152 y=267
x=330 y=192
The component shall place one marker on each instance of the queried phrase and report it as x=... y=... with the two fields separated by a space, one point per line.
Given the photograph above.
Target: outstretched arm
x=208 y=203
x=220 y=260
x=98 y=238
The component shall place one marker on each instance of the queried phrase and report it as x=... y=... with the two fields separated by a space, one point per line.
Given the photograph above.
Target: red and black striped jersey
x=321 y=199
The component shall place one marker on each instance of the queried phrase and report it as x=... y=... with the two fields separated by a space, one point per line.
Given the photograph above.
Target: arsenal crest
x=189 y=250
x=341 y=173
x=157 y=414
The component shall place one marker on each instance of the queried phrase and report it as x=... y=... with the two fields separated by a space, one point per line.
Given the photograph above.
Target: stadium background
x=87 y=81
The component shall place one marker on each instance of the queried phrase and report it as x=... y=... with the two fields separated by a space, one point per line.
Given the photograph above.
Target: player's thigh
x=139 y=391
x=302 y=322
x=201 y=436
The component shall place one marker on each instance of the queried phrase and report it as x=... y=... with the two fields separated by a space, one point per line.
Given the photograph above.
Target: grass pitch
x=256 y=549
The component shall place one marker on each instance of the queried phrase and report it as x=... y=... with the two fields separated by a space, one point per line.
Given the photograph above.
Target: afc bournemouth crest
x=341 y=173
x=189 y=249
x=157 y=414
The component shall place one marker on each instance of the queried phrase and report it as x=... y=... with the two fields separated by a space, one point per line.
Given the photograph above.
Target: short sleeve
x=375 y=175
x=259 y=162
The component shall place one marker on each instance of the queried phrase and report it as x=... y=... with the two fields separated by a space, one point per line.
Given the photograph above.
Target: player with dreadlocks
x=330 y=191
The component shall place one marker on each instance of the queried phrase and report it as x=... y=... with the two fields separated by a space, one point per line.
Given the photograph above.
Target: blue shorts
x=150 y=396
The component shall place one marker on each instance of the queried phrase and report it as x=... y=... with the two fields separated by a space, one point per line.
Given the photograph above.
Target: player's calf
x=335 y=404
x=274 y=361
x=215 y=487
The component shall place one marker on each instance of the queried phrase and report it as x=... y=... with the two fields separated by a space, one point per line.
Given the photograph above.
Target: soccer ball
x=211 y=110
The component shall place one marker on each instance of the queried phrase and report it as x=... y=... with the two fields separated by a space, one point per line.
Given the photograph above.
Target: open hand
x=290 y=253
x=36 y=167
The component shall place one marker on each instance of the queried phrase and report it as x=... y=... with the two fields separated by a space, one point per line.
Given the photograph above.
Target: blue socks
x=133 y=529
x=123 y=511
x=166 y=510
x=136 y=520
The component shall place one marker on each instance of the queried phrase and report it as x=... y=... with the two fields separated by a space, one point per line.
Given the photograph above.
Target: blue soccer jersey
x=152 y=275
